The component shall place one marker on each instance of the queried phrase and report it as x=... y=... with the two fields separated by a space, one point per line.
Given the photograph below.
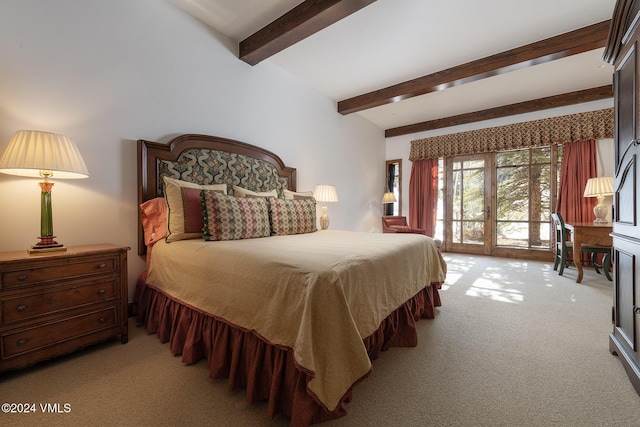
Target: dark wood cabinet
x=622 y=52
x=55 y=303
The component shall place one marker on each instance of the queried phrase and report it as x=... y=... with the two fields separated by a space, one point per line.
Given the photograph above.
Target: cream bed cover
x=320 y=293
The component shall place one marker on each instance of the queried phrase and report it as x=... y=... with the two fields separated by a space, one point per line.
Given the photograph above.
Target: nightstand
x=56 y=303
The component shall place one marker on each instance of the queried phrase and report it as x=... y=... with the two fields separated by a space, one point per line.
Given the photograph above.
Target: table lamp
x=43 y=154
x=387 y=200
x=388 y=197
x=599 y=187
x=325 y=194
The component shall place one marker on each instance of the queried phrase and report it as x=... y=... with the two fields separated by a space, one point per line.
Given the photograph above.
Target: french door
x=499 y=204
x=468 y=211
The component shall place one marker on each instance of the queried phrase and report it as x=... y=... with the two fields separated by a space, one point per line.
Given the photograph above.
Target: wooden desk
x=590 y=233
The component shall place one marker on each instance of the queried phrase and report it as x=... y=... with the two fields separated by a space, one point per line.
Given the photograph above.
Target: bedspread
x=319 y=293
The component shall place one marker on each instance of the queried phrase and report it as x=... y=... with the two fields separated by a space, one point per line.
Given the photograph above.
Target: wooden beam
x=307 y=18
x=578 y=97
x=567 y=44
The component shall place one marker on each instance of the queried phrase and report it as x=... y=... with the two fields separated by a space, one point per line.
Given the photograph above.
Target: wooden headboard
x=207 y=159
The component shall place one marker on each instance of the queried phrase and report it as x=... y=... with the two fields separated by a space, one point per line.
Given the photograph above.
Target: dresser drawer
x=15 y=343
x=29 y=276
x=55 y=303
x=27 y=306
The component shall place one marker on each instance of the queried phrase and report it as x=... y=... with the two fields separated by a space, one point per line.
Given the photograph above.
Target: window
x=394 y=184
x=523 y=198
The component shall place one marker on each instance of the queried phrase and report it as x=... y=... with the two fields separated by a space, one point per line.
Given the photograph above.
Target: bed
x=292 y=314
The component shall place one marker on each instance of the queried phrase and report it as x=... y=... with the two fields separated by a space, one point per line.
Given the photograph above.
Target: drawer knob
x=22 y=277
x=636 y=309
x=21 y=307
x=102 y=265
x=22 y=341
x=102 y=319
x=101 y=292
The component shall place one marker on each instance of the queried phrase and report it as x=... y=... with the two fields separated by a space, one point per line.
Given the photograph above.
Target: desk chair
x=564 y=249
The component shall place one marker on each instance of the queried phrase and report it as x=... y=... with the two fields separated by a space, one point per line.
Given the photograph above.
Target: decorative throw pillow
x=290 y=195
x=153 y=214
x=292 y=216
x=243 y=192
x=234 y=218
x=192 y=203
x=181 y=204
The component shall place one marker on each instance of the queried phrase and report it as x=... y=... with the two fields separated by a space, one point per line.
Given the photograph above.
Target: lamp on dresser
x=599 y=187
x=325 y=194
x=46 y=155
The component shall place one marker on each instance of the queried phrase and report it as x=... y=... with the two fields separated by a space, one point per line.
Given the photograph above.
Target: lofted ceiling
x=414 y=65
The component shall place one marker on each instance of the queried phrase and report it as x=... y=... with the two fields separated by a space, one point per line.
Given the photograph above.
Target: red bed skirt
x=267 y=371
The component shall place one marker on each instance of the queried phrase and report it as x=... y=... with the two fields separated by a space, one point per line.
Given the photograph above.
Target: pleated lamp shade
x=600 y=186
x=389 y=197
x=325 y=193
x=30 y=152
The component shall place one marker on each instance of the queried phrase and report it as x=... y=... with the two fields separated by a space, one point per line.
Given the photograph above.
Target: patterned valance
x=536 y=133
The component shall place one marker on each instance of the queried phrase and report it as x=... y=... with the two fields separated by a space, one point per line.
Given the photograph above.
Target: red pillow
x=192 y=204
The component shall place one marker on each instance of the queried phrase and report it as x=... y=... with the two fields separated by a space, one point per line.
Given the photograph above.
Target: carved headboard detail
x=205 y=159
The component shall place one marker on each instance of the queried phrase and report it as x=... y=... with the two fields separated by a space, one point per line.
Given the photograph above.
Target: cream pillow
x=243 y=192
x=179 y=205
x=290 y=195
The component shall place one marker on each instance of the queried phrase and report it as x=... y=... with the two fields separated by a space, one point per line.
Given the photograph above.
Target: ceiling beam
x=571 y=98
x=567 y=44
x=307 y=18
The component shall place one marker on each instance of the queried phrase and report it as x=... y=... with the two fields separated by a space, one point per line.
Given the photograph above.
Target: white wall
x=399 y=147
x=107 y=73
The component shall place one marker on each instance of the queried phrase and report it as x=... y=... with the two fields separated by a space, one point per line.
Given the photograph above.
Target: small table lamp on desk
x=43 y=154
x=325 y=194
x=599 y=187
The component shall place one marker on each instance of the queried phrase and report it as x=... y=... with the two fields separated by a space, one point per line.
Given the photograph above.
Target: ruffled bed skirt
x=267 y=371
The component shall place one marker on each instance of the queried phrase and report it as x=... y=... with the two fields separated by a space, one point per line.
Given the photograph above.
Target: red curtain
x=423 y=195
x=578 y=165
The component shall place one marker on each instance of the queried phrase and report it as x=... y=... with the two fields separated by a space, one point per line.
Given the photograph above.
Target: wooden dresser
x=58 y=302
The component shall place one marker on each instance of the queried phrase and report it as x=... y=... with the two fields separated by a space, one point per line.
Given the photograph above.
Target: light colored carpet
x=513 y=344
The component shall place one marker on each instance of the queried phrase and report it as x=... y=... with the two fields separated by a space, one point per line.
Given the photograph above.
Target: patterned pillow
x=234 y=218
x=179 y=206
x=292 y=216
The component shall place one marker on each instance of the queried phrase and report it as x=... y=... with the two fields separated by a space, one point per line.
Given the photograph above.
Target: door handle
x=488 y=212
